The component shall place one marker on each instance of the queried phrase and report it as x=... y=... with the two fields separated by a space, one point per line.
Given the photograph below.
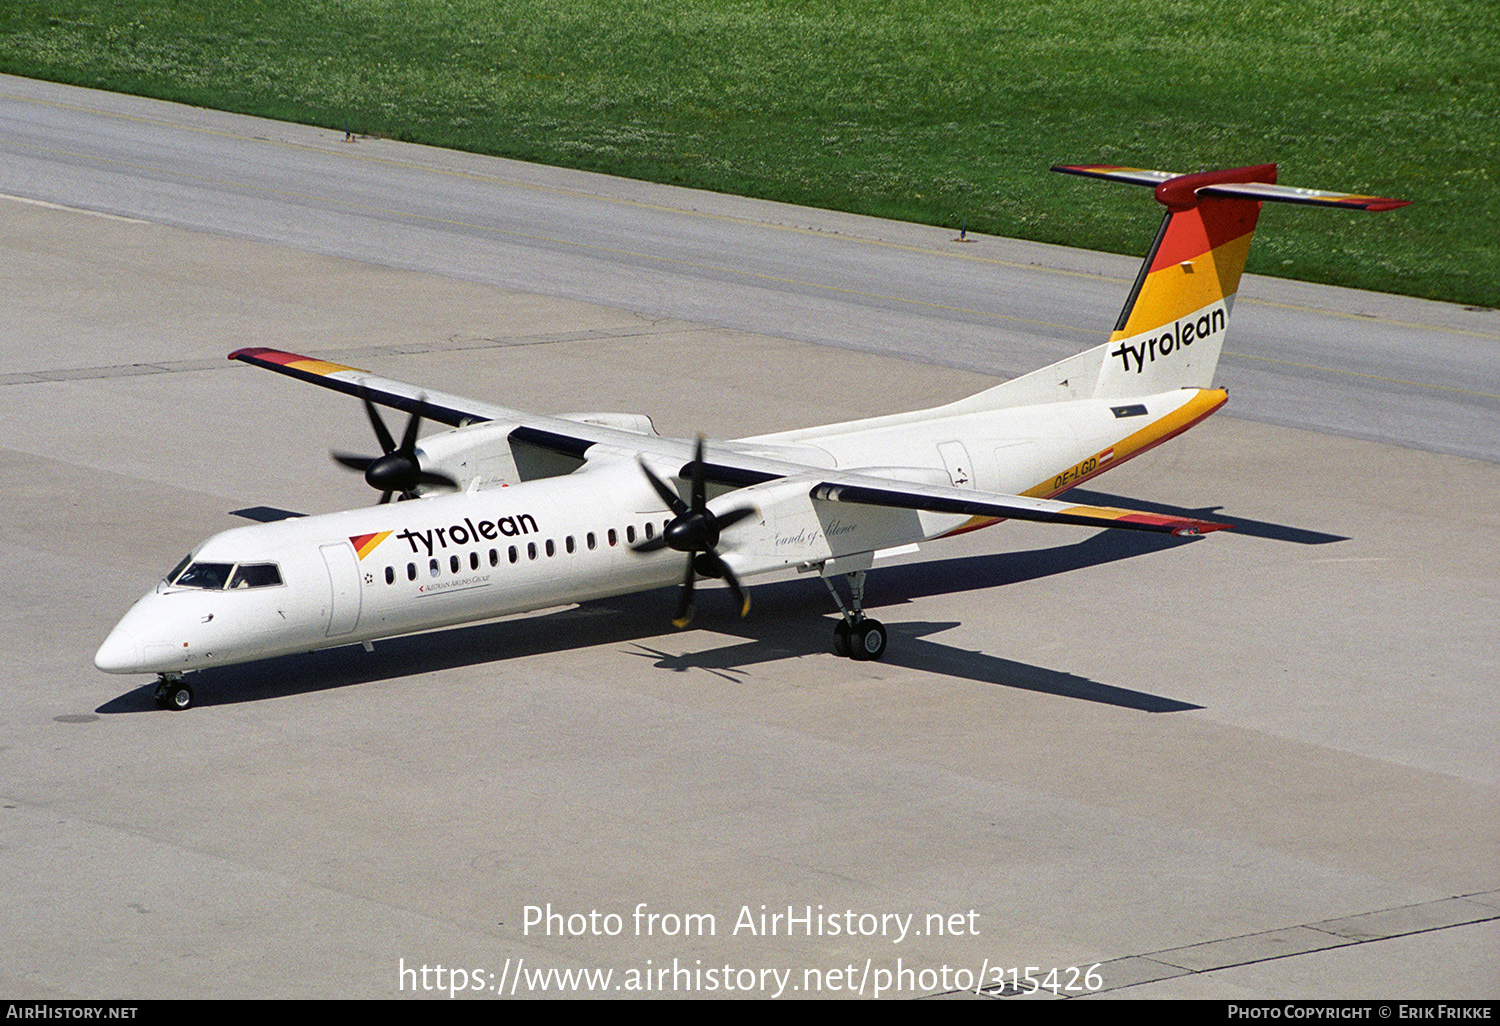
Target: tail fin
x=1171 y=331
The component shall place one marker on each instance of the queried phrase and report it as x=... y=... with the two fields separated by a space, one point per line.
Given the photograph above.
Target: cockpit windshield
x=179 y=568
x=212 y=576
x=217 y=576
x=255 y=575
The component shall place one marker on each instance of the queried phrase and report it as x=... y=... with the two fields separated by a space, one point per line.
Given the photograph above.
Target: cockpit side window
x=204 y=575
x=179 y=568
x=255 y=575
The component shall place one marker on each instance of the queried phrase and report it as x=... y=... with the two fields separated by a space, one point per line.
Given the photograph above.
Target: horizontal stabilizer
x=1267 y=192
x=1113 y=173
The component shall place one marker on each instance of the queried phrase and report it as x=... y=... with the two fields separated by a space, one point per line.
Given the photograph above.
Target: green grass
x=926 y=110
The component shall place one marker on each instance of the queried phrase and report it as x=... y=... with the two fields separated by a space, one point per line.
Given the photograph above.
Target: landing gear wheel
x=174 y=695
x=842 y=646
x=867 y=640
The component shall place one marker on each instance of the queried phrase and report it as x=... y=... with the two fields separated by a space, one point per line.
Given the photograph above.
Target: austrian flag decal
x=365 y=543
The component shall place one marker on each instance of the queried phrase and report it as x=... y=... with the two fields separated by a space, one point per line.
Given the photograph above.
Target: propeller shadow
x=792 y=622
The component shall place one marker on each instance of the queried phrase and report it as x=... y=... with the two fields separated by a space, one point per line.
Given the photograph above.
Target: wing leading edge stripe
x=327 y=375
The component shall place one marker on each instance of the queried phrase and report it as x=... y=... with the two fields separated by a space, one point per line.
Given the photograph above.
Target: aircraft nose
x=120 y=653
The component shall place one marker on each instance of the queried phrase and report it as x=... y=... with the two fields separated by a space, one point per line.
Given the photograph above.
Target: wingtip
x=1200 y=527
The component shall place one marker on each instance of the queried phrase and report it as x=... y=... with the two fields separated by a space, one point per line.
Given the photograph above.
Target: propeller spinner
x=695 y=530
x=397 y=470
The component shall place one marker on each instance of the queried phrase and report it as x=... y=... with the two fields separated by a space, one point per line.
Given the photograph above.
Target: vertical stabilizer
x=1171 y=331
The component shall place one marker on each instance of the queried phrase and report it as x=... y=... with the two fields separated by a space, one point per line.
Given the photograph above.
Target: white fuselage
x=387 y=570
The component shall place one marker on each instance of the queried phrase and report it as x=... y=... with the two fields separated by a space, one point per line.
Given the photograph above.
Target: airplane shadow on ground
x=792 y=619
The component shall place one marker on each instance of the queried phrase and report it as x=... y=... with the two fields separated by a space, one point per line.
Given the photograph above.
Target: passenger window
x=453 y=564
x=514 y=555
x=551 y=548
x=473 y=561
x=649 y=530
x=568 y=544
x=614 y=539
x=494 y=557
x=531 y=550
x=434 y=567
x=629 y=534
x=591 y=541
x=390 y=575
x=411 y=571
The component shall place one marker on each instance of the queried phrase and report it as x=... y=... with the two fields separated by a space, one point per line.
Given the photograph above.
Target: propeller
x=398 y=469
x=695 y=530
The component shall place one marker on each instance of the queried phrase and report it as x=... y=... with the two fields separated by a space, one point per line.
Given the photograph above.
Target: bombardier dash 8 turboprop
x=520 y=511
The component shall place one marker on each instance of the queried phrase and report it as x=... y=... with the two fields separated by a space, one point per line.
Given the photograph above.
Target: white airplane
x=521 y=512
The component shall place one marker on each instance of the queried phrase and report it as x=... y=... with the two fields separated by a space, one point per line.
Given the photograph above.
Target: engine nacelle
x=486 y=456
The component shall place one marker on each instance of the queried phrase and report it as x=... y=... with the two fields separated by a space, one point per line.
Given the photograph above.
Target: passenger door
x=344 y=587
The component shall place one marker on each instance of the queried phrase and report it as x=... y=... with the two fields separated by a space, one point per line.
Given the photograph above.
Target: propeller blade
x=741 y=595
x=668 y=495
x=409 y=438
x=396 y=473
x=695 y=529
x=387 y=443
x=685 y=601
x=721 y=569
x=734 y=516
x=353 y=462
x=432 y=477
x=699 y=488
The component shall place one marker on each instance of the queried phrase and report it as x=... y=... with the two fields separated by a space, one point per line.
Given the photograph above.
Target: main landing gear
x=856 y=636
x=173 y=693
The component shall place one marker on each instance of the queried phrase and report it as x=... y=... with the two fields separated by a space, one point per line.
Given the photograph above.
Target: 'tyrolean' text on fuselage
x=469 y=532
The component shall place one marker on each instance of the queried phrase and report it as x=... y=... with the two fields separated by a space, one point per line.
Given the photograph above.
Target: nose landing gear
x=173 y=693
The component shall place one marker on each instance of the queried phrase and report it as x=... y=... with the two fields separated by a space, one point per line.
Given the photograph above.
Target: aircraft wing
x=986 y=507
x=726 y=467
x=452 y=410
x=561 y=435
x=568 y=437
